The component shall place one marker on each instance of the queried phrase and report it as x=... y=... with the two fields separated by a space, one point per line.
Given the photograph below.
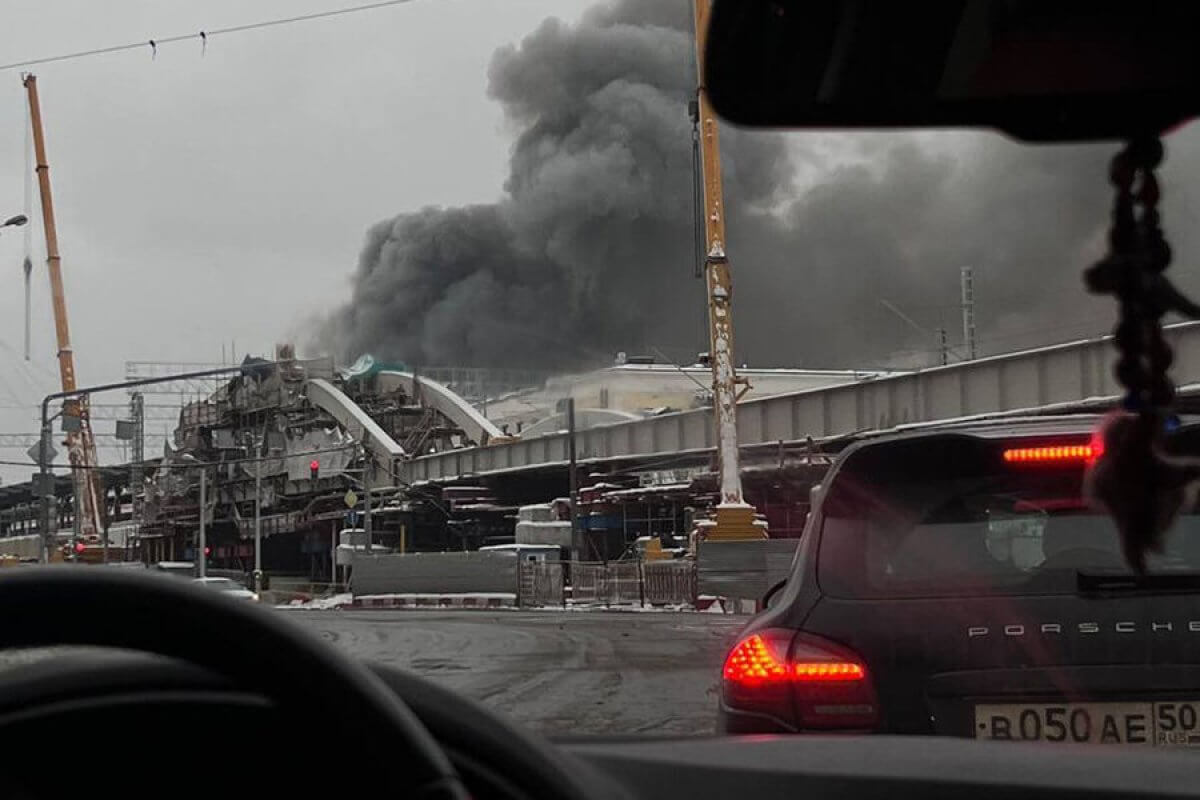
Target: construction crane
x=81 y=444
x=734 y=517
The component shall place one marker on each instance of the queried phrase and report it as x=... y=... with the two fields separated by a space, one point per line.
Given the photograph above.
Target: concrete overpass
x=1066 y=373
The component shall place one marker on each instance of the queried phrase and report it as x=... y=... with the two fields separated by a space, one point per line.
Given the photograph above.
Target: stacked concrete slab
x=435 y=573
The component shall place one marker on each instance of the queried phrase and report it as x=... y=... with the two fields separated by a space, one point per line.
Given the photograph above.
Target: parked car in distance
x=228 y=586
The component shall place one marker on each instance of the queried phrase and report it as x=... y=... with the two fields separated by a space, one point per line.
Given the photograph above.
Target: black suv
x=954 y=581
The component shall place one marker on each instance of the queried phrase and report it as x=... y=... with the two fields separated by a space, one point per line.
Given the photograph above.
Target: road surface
x=561 y=673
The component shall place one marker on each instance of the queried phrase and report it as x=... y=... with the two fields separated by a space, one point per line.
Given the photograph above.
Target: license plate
x=1148 y=724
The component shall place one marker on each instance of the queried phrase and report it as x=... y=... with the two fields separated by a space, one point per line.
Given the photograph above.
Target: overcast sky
x=209 y=198
x=206 y=198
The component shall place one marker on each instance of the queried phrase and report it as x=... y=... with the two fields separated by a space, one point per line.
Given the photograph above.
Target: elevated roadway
x=1031 y=379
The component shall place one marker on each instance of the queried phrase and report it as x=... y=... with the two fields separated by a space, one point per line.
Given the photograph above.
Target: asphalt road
x=561 y=673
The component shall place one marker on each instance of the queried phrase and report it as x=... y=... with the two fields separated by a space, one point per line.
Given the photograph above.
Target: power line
x=202 y=36
x=1021 y=334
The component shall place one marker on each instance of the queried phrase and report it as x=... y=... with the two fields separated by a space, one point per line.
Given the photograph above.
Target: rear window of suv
x=949 y=516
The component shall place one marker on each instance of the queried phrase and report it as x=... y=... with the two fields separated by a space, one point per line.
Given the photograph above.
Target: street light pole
x=258 y=524
x=203 y=538
x=573 y=482
x=367 y=475
x=43 y=480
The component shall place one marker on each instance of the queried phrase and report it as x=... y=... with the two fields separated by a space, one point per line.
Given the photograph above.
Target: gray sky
x=204 y=199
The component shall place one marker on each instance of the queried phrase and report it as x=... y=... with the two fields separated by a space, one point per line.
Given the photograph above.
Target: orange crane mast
x=81 y=444
x=735 y=518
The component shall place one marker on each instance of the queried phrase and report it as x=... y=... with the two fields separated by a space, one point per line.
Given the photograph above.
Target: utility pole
x=572 y=474
x=258 y=573
x=968 y=311
x=333 y=543
x=137 y=412
x=109 y=516
x=75 y=523
x=368 y=476
x=45 y=478
x=734 y=516
x=203 y=543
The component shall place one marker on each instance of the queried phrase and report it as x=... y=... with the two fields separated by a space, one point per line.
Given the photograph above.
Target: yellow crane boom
x=734 y=516
x=81 y=444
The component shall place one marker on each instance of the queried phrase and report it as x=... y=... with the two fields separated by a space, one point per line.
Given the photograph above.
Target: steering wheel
x=257 y=651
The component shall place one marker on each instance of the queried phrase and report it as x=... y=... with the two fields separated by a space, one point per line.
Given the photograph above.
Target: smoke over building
x=590 y=250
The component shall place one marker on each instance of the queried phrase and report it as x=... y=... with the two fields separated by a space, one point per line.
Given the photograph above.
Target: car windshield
x=468 y=336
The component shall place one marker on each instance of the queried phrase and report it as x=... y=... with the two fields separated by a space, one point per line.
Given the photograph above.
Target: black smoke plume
x=590 y=251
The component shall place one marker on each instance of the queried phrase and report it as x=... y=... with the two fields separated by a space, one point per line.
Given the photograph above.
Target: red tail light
x=833 y=671
x=802 y=680
x=834 y=689
x=1059 y=453
x=752 y=663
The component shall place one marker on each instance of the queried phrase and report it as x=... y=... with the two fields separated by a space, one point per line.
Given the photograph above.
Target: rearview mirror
x=1040 y=70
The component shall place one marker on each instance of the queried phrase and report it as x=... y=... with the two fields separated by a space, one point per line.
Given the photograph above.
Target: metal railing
x=541 y=584
x=671 y=582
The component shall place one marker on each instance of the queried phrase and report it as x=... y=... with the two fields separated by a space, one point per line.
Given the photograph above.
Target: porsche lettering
x=1086 y=628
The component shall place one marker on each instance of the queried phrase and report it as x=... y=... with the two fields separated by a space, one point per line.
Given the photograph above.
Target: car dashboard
x=137 y=721
x=769 y=767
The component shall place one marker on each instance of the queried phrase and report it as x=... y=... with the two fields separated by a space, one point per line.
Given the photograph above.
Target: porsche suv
x=955 y=581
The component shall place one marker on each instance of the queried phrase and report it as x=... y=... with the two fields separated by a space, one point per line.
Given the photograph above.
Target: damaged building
x=309 y=437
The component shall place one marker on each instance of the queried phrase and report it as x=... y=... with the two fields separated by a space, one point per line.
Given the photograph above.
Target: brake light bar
x=1054 y=454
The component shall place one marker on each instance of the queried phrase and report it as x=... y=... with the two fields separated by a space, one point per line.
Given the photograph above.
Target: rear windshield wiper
x=1127 y=582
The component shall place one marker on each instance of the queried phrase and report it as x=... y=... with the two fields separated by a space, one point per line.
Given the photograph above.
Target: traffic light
x=314 y=469
x=207 y=551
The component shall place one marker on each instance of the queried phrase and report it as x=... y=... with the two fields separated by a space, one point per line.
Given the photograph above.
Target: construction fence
x=735 y=570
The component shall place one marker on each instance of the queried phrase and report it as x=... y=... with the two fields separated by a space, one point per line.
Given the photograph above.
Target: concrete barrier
x=23 y=547
x=435 y=574
x=743 y=570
